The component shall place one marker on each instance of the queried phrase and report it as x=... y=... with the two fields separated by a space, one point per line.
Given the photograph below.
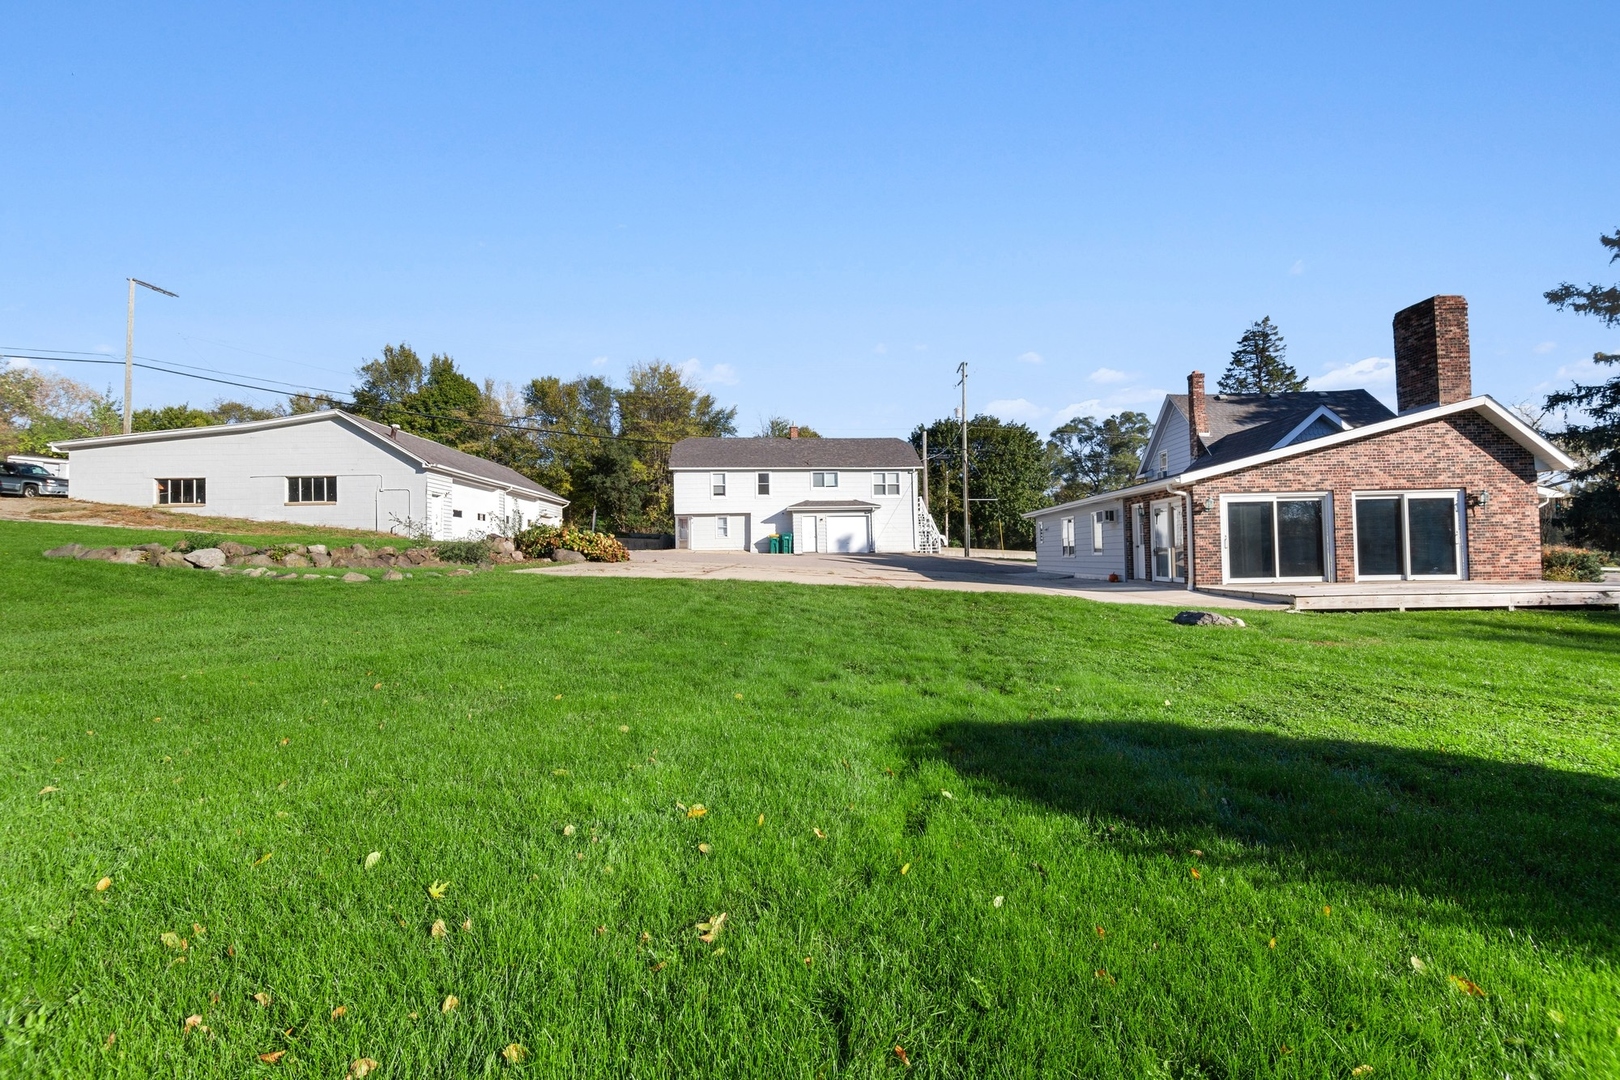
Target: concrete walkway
x=894 y=571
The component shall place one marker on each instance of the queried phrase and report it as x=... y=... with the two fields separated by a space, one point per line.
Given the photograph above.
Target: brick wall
x=1432 y=365
x=1459 y=451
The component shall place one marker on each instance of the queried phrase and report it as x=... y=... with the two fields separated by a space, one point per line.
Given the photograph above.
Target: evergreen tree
x=1594 y=513
x=1258 y=366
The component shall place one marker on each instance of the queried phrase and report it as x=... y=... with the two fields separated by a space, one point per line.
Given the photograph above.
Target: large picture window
x=1271 y=537
x=1407 y=535
x=190 y=491
x=312 y=489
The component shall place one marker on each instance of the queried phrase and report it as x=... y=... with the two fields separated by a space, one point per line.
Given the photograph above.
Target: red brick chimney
x=793 y=432
x=1197 y=413
x=1431 y=354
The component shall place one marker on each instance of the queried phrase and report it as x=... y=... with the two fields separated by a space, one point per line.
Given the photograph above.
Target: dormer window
x=1323 y=422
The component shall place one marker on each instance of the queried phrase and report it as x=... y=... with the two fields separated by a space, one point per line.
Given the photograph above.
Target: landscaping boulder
x=566 y=555
x=393 y=575
x=286 y=577
x=1205 y=618
x=294 y=559
x=206 y=558
x=463 y=572
x=67 y=551
x=355 y=578
x=232 y=549
x=128 y=556
x=318 y=549
x=101 y=554
x=170 y=560
x=152 y=549
x=259 y=559
x=319 y=558
x=359 y=551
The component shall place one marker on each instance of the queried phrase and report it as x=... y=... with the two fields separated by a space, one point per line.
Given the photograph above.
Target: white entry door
x=848 y=533
x=1169 y=562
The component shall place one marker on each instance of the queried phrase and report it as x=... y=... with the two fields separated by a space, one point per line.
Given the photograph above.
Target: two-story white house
x=831 y=495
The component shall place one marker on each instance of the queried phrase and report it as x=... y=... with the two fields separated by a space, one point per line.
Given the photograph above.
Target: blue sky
x=819 y=209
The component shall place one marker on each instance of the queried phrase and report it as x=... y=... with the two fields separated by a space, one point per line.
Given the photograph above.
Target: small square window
x=885 y=483
x=824 y=479
x=717 y=483
x=455 y=513
x=764 y=484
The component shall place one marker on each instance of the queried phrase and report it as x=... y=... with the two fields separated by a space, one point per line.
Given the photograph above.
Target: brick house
x=1324 y=486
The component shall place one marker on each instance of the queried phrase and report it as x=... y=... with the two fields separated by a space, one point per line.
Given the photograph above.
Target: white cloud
x=599 y=361
x=1546 y=347
x=1030 y=358
x=1137 y=398
x=1021 y=409
x=1107 y=375
x=719 y=374
x=1373 y=373
x=1298 y=268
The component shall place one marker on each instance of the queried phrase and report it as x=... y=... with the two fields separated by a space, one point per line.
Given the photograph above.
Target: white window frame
x=885 y=483
x=722 y=527
x=824 y=479
x=762 y=484
x=163 y=491
x=1322 y=413
x=1459 y=507
x=1096 y=532
x=1274 y=497
x=717 y=484
x=1066 y=538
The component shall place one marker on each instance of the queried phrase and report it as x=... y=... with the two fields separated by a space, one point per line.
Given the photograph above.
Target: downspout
x=1192 y=562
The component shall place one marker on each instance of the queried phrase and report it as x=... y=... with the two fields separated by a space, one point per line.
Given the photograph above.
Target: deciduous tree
x=1092 y=456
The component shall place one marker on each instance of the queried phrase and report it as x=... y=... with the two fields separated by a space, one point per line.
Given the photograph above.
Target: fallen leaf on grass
x=272 y=1057
x=559 y=772
x=263 y=999
x=48 y=790
x=104 y=884
x=262 y=859
x=1419 y=966
x=373 y=859
x=360 y=1067
x=285 y=742
x=998 y=901
x=946 y=794
x=658 y=966
x=557 y=698
x=378 y=686
x=1327 y=909
x=173 y=940
x=819 y=834
x=568 y=830
x=1467 y=986
x=438 y=930
x=1361 y=1070
x=1195 y=853
x=600 y=930
x=710 y=928
x=515 y=1053
x=906 y=869
x=1101 y=932
x=704 y=849
x=1555 y=1016
x=466 y=925
x=761 y=820
x=1102 y=975
x=341 y=1010
x=438 y=889
x=193 y=1021
x=623 y=728
x=1196 y=875
x=1272 y=944
x=450 y=1002
x=905 y=1059
x=697 y=811
x=809 y=961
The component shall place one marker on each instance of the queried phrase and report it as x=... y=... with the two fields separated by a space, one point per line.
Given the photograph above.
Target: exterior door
x=683 y=533
x=1167 y=535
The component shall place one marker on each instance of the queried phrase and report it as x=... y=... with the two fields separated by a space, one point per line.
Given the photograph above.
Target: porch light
x=1484 y=497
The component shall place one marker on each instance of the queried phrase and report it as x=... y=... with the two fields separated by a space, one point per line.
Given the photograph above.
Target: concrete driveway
x=954 y=572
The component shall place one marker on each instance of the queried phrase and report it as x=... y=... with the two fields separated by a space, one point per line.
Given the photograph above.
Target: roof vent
x=393 y=431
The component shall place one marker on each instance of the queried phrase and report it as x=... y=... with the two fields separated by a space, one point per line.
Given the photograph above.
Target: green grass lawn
x=1013 y=835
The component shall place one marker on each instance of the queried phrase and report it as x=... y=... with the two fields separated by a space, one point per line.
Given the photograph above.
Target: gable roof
x=770 y=453
x=425 y=452
x=1547 y=457
x=1241 y=425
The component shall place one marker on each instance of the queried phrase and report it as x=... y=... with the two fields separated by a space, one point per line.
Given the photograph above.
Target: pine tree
x=1257 y=365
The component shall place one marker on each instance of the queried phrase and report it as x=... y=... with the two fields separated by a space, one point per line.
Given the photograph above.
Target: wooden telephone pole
x=967 y=526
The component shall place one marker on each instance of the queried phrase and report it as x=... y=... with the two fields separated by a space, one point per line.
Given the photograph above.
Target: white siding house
x=324 y=468
x=831 y=495
x=1082 y=542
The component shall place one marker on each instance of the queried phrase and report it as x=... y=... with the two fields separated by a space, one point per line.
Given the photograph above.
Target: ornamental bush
x=541 y=541
x=463 y=551
x=1560 y=563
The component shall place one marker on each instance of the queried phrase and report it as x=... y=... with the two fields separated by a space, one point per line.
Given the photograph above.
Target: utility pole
x=967 y=527
x=925 y=470
x=129 y=347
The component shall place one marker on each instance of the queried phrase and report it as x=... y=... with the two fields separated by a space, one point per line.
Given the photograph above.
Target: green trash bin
x=776 y=544
x=787 y=543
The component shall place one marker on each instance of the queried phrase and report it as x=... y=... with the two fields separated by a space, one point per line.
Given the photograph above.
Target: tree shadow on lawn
x=1525 y=846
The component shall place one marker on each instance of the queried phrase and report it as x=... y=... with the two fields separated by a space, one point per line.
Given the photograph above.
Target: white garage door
x=847 y=533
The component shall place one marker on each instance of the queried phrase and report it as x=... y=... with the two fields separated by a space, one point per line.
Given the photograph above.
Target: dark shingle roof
x=1244 y=424
x=833 y=506
x=767 y=453
x=434 y=453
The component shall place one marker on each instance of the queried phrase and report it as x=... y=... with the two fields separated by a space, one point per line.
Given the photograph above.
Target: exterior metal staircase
x=929 y=542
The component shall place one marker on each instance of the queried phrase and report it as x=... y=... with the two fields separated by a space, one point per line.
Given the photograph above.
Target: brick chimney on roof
x=793 y=432
x=1197 y=413
x=1431 y=354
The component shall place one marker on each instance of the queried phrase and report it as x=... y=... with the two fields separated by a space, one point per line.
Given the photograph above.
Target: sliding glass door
x=1276 y=537
x=1408 y=535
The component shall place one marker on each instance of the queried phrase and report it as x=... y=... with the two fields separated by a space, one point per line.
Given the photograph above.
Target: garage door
x=847 y=533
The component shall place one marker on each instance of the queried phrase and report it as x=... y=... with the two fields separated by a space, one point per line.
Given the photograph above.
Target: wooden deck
x=1414 y=595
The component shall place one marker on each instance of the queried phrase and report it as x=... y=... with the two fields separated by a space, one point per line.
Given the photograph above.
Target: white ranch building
x=326 y=468
x=832 y=495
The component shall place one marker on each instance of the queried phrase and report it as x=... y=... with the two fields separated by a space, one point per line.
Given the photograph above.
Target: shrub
x=198 y=541
x=1570 y=564
x=540 y=541
x=464 y=551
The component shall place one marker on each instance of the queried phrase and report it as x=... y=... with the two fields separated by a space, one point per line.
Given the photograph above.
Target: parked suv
x=17 y=478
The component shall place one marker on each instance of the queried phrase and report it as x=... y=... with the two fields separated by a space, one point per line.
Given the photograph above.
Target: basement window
x=182 y=492
x=312 y=489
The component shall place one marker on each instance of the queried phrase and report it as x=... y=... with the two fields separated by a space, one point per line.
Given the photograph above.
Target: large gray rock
x=101 y=554
x=152 y=549
x=67 y=551
x=170 y=560
x=359 y=551
x=294 y=559
x=232 y=549
x=355 y=578
x=320 y=558
x=463 y=572
x=206 y=558
x=566 y=555
x=259 y=560
x=318 y=549
x=128 y=556
x=393 y=575
x=1205 y=618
